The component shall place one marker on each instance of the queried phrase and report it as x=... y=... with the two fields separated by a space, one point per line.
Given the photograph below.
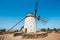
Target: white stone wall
x=30 y=24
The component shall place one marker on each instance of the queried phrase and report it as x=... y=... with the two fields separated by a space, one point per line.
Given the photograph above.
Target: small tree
x=43 y=29
x=48 y=29
x=54 y=29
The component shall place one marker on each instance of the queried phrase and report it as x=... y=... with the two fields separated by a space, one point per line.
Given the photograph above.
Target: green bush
x=43 y=29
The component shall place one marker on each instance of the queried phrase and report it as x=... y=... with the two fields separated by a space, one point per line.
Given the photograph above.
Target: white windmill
x=30 y=21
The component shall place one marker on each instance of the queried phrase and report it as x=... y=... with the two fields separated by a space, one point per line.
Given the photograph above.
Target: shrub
x=43 y=29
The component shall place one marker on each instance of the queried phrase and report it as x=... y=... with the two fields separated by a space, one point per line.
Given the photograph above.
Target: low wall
x=23 y=36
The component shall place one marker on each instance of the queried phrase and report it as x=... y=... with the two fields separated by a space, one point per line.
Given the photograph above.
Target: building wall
x=30 y=24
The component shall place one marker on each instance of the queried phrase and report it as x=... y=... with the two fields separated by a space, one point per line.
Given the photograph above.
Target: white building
x=30 y=23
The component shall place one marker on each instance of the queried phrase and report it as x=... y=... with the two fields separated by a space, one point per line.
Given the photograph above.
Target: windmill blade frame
x=36 y=6
x=16 y=24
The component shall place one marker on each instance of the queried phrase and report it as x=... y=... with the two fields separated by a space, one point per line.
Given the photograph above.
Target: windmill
x=30 y=21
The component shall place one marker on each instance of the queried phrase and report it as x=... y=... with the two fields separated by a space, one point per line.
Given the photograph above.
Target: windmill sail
x=16 y=24
x=36 y=6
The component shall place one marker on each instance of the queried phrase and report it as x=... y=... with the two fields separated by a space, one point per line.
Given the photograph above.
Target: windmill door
x=25 y=30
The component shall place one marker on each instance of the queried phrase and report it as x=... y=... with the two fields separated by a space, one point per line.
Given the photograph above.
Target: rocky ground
x=51 y=36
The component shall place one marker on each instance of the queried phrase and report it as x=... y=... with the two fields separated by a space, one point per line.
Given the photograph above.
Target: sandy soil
x=51 y=36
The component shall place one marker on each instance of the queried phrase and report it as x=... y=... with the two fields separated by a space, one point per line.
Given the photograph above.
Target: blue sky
x=11 y=11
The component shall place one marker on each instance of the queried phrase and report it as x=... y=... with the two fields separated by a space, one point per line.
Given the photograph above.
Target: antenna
x=36 y=6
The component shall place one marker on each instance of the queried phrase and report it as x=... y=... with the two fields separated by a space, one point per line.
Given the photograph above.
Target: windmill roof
x=31 y=15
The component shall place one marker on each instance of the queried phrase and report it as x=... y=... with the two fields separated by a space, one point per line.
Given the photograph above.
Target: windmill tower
x=30 y=23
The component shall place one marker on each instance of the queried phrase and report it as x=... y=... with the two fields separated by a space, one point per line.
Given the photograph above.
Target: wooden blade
x=36 y=6
x=44 y=21
x=16 y=24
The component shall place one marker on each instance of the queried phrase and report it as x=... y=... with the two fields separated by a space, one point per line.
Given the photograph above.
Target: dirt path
x=51 y=36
